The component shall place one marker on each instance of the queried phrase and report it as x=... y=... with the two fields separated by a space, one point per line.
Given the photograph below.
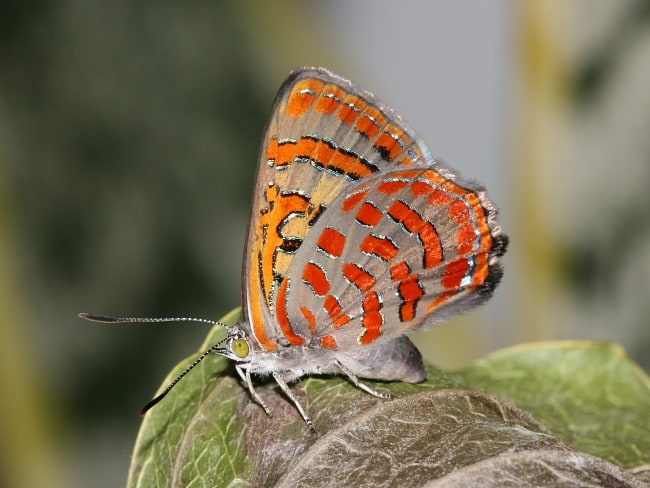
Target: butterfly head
x=238 y=346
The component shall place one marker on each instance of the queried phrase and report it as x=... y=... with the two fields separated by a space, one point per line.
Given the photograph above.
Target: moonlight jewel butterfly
x=357 y=236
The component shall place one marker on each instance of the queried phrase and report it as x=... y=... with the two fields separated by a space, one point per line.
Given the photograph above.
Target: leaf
x=539 y=469
x=423 y=437
x=588 y=393
x=208 y=432
x=190 y=435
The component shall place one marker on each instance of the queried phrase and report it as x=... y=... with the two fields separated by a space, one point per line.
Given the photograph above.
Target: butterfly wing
x=325 y=134
x=357 y=233
x=398 y=251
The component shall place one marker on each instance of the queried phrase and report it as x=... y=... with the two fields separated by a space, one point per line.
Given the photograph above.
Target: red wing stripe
x=420 y=188
x=373 y=320
x=333 y=308
x=358 y=276
x=459 y=212
x=354 y=199
x=455 y=272
x=302 y=97
x=400 y=271
x=331 y=242
x=466 y=239
x=329 y=342
x=330 y=100
x=389 y=187
x=370 y=122
x=415 y=224
x=369 y=215
x=388 y=146
x=307 y=146
x=351 y=108
x=272 y=150
x=381 y=247
x=283 y=317
x=439 y=197
x=311 y=320
x=325 y=155
x=286 y=152
x=410 y=291
x=314 y=276
x=432 y=246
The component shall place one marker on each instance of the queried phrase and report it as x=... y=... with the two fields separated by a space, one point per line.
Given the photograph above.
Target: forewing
x=326 y=135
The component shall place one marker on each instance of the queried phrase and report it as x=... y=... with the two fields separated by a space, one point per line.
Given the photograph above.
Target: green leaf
x=588 y=393
x=568 y=397
x=190 y=437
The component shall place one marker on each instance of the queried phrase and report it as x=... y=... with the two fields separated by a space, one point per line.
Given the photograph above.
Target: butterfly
x=357 y=237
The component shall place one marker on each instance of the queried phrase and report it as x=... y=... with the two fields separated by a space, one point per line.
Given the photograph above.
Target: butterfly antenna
x=108 y=319
x=157 y=399
x=120 y=320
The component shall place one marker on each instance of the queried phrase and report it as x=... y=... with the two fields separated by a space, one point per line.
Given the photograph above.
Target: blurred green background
x=129 y=134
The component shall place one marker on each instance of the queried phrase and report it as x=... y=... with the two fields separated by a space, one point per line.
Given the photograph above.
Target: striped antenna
x=108 y=319
x=214 y=348
x=120 y=320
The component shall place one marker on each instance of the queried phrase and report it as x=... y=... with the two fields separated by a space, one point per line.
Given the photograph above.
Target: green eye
x=240 y=348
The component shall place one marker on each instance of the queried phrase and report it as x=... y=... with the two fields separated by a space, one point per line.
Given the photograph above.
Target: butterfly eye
x=240 y=348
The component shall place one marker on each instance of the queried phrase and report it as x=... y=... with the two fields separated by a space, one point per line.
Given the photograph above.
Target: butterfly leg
x=287 y=391
x=358 y=383
x=245 y=375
